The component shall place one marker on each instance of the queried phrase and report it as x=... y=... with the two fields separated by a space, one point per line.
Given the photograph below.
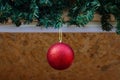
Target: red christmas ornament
x=60 y=56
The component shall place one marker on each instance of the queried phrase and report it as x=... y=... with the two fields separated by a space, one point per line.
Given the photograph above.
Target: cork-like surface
x=23 y=56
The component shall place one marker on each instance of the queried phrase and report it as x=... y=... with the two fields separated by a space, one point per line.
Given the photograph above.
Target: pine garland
x=50 y=12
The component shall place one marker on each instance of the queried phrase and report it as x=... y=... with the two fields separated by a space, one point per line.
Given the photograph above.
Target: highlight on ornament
x=60 y=56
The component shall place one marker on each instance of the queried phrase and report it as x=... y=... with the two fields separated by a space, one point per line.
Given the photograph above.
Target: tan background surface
x=23 y=56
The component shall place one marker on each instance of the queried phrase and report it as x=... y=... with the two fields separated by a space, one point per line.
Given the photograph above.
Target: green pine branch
x=49 y=12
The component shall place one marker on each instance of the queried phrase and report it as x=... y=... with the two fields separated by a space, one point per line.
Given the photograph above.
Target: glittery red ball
x=60 y=56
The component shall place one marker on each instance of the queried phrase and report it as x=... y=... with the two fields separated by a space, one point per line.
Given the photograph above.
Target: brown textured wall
x=23 y=56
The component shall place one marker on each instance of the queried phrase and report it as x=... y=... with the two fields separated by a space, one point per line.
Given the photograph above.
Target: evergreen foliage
x=50 y=12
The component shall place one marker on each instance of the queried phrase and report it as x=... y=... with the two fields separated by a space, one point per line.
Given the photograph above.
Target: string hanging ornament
x=60 y=55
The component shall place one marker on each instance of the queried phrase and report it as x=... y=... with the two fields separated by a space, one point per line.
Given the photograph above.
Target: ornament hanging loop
x=60 y=35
